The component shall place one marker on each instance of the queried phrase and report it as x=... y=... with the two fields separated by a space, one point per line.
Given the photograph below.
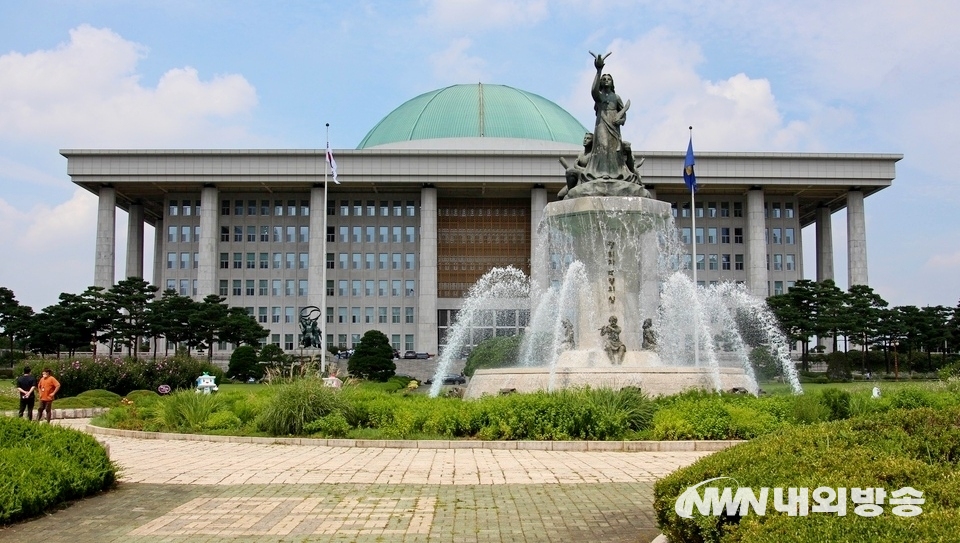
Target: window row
x=371 y=287
x=408 y=342
x=371 y=234
x=370 y=209
x=366 y=261
x=775 y=210
x=276 y=234
x=354 y=316
x=263 y=208
x=263 y=287
x=263 y=261
x=781 y=262
x=777 y=236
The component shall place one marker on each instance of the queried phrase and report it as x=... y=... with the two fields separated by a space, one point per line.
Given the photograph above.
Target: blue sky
x=752 y=75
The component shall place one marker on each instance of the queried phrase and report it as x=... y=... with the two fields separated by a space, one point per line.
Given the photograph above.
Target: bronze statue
x=309 y=330
x=615 y=348
x=607 y=167
x=649 y=337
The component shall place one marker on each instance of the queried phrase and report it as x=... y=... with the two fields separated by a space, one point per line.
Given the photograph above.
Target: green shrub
x=495 y=352
x=189 y=411
x=42 y=466
x=222 y=420
x=244 y=364
x=807 y=409
x=899 y=448
x=295 y=405
x=142 y=397
x=837 y=401
x=373 y=358
x=330 y=425
x=911 y=398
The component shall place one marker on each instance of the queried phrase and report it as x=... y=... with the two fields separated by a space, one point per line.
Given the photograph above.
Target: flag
x=333 y=163
x=688 y=176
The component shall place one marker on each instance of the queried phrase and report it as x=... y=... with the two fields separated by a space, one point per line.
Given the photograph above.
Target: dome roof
x=476 y=111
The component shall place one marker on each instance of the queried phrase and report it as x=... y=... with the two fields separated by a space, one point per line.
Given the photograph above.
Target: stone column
x=103 y=264
x=135 y=241
x=427 y=293
x=209 y=234
x=756 y=244
x=856 y=239
x=159 y=237
x=824 y=244
x=539 y=258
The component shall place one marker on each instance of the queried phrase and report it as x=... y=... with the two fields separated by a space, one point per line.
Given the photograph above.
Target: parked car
x=410 y=354
x=454 y=380
x=423 y=355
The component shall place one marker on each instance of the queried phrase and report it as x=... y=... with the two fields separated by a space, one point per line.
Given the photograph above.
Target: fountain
x=618 y=311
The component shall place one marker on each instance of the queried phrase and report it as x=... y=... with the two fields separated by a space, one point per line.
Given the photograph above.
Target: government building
x=447 y=186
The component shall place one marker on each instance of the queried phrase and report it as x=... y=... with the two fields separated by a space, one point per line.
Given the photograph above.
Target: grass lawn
x=855 y=386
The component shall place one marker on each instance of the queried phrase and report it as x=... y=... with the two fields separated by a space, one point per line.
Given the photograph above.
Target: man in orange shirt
x=48 y=387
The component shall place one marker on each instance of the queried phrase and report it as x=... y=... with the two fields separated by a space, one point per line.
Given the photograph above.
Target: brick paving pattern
x=187 y=491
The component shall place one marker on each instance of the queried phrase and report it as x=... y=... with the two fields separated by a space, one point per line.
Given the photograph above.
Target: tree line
x=129 y=314
x=821 y=310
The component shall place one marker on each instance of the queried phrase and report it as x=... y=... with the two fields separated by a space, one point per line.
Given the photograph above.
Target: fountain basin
x=652 y=380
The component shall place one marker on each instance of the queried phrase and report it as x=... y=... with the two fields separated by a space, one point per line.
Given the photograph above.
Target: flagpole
x=693 y=225
x=323 y=275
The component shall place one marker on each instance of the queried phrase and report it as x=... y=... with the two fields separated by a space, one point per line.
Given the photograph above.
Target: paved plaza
x=187 y=491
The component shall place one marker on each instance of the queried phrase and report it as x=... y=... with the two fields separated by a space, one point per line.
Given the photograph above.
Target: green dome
x=476 y=111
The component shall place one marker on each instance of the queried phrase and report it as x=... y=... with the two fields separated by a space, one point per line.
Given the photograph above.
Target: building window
x=395 y=315
x=237 y=287
x=699 y=209
x=172 y=284
x=330 y=261
x=777 y=240
x=711 y=209
x=224 y=289
x=262 y=288
x=304 y=208
x=713 y=262
x=342 y=286
x=724 y=209
x=712 y=235
x=250 y=290
x=225 y=207
x=778 y=262
x=724 y=235
x=291 y=208
x=238 y=233
x=699 y=236
x=264 y=261
x=382 y=261
x=738 y=209
x=368 y=315
x=368 y=287
x=788 y=210
x=174 y=209
x=264 y=233
x=185 y=234
x=381 y=288
x=384 y=208
x=171 y=260
x=395 y=287
x=355 y=287
x=791 y=263
x=184 y=261
x=738 y=262
x=410 y=234
x=225 y=233
x=725 y=262
x=288 y=287
x=409 y=262
x=738 y=235
x=357 y=208
x=265 y=208
x=304 y=234
x=224 y=261
x=303 y=261
x=777 y=288
x=251 y=261
x=342 y=315
x=788 y=236
x=684 y=235
x=184 y=287
x=238 y=207
x=395 y=234
x=369 y=233
x=342 y=257
x=408 y=342
x=302 y=287
x=262 y=315
x=275 y=314
x=408 y=315
x=291 y=234
x=355 y=315
x=331 y=234
x=409 y=287
x=382 y=234
x=395 y=261
x=330 y=288
x=382 y=315
x=288 y=342
x=288 y=315
x=275 y=287
x=397 y=209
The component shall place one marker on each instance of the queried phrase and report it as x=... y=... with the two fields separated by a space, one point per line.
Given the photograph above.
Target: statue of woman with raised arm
x=607 y=160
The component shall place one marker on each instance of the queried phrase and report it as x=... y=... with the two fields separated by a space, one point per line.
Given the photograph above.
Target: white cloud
x=87 y=93
x=455 y=65
x=485 y=13
x=657 y=73
x=48 y=249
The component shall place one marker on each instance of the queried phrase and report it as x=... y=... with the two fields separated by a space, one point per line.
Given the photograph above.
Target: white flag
x=332 y=163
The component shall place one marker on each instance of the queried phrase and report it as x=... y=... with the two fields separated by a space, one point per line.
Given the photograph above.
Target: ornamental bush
x=123 y=375
x=917 y=448
x=42 y=466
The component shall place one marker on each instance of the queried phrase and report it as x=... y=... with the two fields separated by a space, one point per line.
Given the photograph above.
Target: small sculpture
x=649 y=337
x=568 y=342
x=615 y=348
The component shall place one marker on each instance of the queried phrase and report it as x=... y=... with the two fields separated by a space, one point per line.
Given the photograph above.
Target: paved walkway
x=187 y=491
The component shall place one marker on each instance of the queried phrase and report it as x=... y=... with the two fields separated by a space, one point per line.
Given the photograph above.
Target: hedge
x=919 y=448
x=42 y=466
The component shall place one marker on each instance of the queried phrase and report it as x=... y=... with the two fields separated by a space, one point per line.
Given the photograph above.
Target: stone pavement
x=186 y=491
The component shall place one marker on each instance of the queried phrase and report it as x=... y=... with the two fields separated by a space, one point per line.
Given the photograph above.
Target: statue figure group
x=309 y=330
x=607 y=166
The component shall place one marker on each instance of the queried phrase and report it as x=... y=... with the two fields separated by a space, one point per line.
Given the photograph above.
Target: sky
x=850 y=76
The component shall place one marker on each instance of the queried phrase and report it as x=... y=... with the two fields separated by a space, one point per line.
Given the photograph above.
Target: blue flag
x=688 y=176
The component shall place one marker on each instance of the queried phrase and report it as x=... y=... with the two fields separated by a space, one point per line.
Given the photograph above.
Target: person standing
x=48 y=386
x=27 y=388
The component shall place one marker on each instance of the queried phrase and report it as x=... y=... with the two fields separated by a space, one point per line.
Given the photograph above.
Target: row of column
x=756 y=261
